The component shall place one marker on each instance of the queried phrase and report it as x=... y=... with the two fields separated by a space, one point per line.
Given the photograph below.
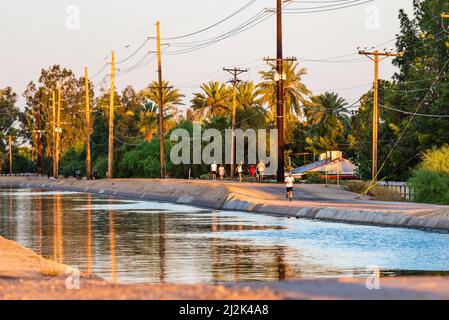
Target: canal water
x=151 y=242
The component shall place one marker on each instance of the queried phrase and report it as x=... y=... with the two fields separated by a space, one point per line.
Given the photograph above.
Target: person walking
x=260 y=170
x=221 y=172
x=240 y=171
x=213 y=169
x=252 y=173
x=289 y=181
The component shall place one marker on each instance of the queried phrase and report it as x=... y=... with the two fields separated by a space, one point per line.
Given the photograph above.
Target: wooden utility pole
x=280 y=94
x=280 y=77
x=58 y=131
x=377 y=56
x=161 y=101
x=88 y=165
x=54 y=131
x=10 y=154
x=235 y=72
x=38 y=137
x=111 y=119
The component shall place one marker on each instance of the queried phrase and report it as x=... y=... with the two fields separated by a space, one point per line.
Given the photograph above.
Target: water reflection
x=128 y=241
x=89 y=233
x=112 y=245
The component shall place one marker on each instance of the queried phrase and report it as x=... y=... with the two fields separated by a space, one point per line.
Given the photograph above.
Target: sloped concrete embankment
x=220 y=197
x=201 y=195
x=418 y=219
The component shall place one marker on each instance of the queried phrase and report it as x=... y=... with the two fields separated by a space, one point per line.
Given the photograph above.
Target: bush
x=314 y=177
x=101 y=165
x=430 y=181
x=430 y=186
x=73 y=160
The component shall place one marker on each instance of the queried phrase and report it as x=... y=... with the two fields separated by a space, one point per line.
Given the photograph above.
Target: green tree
x=328 y=123
x=215 y=100
x=295 y=91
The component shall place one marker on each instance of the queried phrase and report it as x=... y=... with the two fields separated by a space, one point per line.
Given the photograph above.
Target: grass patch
x=377 y=193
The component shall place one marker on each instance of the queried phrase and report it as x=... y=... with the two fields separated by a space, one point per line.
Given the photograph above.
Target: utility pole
x=38 y=136
x=235 y=72
x=161 y=102
x=58 y=131
x=54 y=131
x=280 y=77
x=111 y=119
x=377 y=56
x=10 y=155
x=88 y=165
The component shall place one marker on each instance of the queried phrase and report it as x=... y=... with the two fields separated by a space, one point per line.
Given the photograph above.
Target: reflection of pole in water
x=39 y=222
x=89 y=235
x=162 y=247
x=214 y=249
x=55 y=253
x=10 y=213
x=58 y=254
x=112 y=244
x=60 y=235
x=281 y=267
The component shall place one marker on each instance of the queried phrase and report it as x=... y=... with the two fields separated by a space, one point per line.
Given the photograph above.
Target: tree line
x=314 y=123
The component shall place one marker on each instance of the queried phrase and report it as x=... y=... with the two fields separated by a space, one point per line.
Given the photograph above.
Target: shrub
x=430 y=186
x=101 y=165
x=430 y=181
x=314 y=177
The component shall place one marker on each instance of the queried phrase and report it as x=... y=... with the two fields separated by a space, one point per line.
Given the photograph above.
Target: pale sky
x=38 y=34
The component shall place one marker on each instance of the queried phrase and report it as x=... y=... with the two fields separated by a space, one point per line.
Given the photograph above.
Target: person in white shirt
x=260 y=170
x=213 y=169
x=240 y=171
x=289 y=181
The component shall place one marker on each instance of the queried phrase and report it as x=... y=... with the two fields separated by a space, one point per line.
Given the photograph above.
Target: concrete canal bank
x=311 y=201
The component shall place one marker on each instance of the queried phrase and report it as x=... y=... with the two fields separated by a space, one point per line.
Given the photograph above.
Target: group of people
x=255 y=173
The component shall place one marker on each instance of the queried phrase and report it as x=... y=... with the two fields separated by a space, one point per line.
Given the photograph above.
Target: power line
x=416 y=114
x=211 y=26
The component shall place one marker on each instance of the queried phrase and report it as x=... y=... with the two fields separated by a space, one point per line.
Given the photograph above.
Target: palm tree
x=326 y=105
x=295 y=92
x=215 y=99
x=171 y=98
x=247 y=95
x=250 y=113
x=328 y=122
x=148 y=120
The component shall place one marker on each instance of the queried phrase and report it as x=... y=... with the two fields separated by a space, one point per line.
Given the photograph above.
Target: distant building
x=331 y=164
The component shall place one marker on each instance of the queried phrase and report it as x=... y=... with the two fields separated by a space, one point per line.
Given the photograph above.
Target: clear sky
x=38 y=34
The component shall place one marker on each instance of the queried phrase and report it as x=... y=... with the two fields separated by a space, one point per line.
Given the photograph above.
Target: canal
x=150 y=242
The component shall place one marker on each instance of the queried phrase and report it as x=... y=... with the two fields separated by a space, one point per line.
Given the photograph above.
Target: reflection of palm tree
x=295 y=92
x=147 y=123
x=215 y=99
x=324 y=106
